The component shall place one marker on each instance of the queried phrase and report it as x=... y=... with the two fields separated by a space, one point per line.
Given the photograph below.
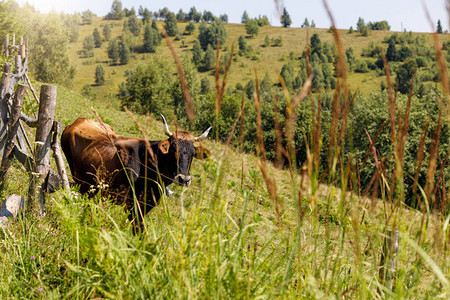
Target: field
x=244 y=229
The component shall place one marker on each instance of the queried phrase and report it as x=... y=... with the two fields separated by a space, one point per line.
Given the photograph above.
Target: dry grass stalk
x=190 y=109
x=241 y=134
x=432 y=163
x=259 y=129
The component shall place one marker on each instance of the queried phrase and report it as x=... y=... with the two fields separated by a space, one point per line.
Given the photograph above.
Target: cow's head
x=177 y=154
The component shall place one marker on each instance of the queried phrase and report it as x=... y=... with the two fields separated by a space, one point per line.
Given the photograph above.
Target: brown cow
x=98 y=156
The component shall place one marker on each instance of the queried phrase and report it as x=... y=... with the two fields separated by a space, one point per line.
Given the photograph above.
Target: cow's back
x=89 y=149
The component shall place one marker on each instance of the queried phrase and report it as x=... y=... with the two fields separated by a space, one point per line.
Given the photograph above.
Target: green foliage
x=9 y=19
x=190 y=28
x=124 y=53
x=379 y=25
x=88 y=43
x=87 y=92
x=107 y=32
x=244 y=17
x=48 y=51
x=404 y=74
x=72 y=22
x=170 y=24
x=285 y=19
x=116 y=12
x=205 y=86
x=113 y=51
x=87 y=17
x=181 y=16
x=197 y=53
x=97 y=38
x=99 y=75
x=210 y=35
x=242 y=44
x=305 y=23
x=439 y=27
x=133 y=25
x=252 y=27
x=209 y=60
x=151 y=39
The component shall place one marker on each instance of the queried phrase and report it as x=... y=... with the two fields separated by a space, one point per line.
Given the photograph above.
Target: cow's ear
x=164 y=146
x=201 y=152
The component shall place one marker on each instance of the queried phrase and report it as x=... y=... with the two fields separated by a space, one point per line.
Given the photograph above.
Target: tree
x=439 y=27
x=193 y=15
x=210 y=35
x=242 y=43
x=313 y=25
x=252 y=27
x=87 y=17
x=305 y=23
x=360 y=24
x=145 y=14
x=244 y=17
x=190 y=28
x=197 y=53
x=97 y=38
x=224 y=18
x=88 y=43
x=133 y=25
x=124 y=53
x=181 y=16
x=205 y=86
x=49 y=51
x=151 y=39
x=209 y=61
x=107 y=32
x=116 y=12
x=99 y=75
x=208 y=16
x=391 y=53
x=404 y=74
x=285 y=18
x=170 y=24
x=113 y=51
x=10 y=21
x=350 y=30
x=316 y=45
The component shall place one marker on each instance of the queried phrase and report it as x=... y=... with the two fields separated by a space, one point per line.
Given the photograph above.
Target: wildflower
x=33 y=257
x=40 y=289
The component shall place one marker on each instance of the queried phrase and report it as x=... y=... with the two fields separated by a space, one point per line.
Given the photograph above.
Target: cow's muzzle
x=184 y=180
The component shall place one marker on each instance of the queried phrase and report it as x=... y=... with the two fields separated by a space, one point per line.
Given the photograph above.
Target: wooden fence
x=15 y=87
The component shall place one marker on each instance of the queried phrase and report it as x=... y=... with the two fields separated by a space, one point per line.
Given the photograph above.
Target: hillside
x=264 y=59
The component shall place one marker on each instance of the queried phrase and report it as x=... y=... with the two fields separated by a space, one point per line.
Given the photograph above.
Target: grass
x=225 y=236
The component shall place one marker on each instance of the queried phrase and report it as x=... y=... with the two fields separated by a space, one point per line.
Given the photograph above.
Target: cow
x=124 y=166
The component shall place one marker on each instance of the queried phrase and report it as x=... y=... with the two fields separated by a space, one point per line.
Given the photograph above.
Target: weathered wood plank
x=13 y=127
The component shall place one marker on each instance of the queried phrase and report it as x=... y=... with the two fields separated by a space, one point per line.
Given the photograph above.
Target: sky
x=401 y=14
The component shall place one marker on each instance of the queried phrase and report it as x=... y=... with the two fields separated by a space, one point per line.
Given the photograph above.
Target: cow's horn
x=166 y=128
x=204 y=134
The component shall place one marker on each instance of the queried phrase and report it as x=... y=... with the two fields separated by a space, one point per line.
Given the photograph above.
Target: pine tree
x=97 y=38
x=88 y=43
x=124 y=53
x=170 y=24
x=133 y=25
x=209 y=61
x=252 y=27
x=286 y=19
x=242 y=43
x=113 y=51
x=107 y=32
x=99 y=75
x=244 y=17
x=305 y=23
x=439 y=27
x=197 y=53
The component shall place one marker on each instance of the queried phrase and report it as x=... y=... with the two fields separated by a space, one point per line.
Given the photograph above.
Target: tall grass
x=246 y=229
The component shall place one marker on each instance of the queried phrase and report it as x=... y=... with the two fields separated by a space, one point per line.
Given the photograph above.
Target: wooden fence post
x=388 y=258
x=58 y=156
x=13 y=125
x=43 y=140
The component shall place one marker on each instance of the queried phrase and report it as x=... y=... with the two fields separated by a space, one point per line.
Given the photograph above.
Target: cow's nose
x=184 y=180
